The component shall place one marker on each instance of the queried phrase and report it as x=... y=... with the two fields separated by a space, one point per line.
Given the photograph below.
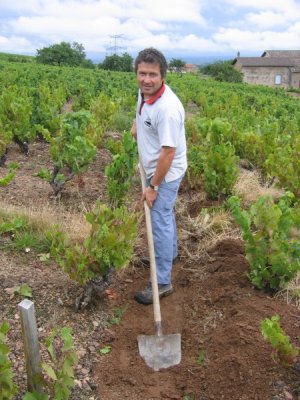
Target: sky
x=187 y=29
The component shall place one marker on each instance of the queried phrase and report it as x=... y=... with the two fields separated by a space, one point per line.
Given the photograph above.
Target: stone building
x=276 y=68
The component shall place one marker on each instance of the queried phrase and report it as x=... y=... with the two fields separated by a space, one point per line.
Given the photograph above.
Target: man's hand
x=133 y=129
x=150 y=196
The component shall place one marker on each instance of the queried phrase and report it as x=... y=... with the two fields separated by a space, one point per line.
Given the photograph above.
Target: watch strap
x=154 y=187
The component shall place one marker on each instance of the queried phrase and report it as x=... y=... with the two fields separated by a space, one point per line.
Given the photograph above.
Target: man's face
x=149 y=79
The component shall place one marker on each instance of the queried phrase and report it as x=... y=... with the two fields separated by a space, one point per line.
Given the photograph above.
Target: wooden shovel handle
x=156 y=305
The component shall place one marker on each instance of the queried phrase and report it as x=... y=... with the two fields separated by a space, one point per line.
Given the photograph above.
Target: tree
x=62 y=54
x=223 y=71
x=117 y=63
x=176 y=65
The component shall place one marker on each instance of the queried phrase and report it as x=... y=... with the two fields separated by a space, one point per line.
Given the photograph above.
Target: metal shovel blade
x=160 y=351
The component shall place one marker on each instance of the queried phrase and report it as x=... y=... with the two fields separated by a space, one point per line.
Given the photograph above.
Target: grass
x=44 y=218
x=27 y=228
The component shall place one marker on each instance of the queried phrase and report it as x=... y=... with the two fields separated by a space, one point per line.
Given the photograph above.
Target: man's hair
x=152 y=56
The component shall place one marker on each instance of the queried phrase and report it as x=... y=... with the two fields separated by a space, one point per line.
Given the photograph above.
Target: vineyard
x=72 y=235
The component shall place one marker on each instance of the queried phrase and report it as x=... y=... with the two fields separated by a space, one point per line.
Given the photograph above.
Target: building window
x=277 y=79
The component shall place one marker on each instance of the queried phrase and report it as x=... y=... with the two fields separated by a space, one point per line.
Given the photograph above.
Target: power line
x=115 y=47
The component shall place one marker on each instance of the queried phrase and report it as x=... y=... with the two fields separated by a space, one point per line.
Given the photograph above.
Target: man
x=160 y=133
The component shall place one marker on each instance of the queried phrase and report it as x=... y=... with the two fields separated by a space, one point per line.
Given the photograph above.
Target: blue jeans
x=164 y=229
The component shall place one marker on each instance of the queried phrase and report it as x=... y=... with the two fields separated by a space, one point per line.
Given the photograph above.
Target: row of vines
x=232 y=122
x=226 y=124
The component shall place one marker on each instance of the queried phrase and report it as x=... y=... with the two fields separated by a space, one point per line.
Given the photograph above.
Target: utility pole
x=115 y=48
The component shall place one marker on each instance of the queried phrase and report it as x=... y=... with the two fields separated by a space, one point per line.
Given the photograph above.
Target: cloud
x=23 y=45
x=188 y=27
x=270 y=5
x=93 y=22
x=266 y=20
x=255 y=41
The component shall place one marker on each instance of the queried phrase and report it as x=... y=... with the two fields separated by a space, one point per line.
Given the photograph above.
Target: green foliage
x=35 y=396
x=13 y=166
x=120 y=171
x=7 y=387
x=188 y=397
x=15 y=112
x=287 y=150
x=196 y=160
x=211 y=156
x=117 y=63
x=62 y=54
x=13 y=225
x=60 y=373
x=22 y=235
x=23 y=290
x=118 y=315
x=274 y=257
x=105 y=350
x=103 y=111
x=7 y=178
x=176 y=65
x=29 y=240
x=223 y=71
x=220 y=170
x=5 y=140
x=121 y=122
x=201 y=357
x=109 y=244
x=73 y=148
x=47 y=102
x=44 y=174
x=283 y=351
x=18 y=58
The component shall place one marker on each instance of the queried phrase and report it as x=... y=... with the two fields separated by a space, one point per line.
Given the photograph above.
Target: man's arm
x=133 y=129
x=163 y=165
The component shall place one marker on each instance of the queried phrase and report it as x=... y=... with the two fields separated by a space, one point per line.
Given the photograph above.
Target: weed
x=105 y=350
x=201 y=357
x=284 y=352
x=118 y=315
x=13 y=166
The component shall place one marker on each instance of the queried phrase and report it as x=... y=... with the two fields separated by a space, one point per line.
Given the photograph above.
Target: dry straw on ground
x=249 y=188
x=44 y=217
x=197 y=235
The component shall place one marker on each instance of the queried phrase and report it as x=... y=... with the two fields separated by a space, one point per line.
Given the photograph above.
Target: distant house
x=190 y=68
x=276 y=68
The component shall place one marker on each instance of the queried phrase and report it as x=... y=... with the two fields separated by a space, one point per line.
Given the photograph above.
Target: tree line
x=73 y=54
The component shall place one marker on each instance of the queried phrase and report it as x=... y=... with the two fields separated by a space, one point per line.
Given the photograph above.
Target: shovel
x=159 y=351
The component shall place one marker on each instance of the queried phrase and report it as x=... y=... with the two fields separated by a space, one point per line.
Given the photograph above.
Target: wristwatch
x=154 y=187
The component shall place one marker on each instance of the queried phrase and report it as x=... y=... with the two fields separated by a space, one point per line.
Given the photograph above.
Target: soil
x=214 y=308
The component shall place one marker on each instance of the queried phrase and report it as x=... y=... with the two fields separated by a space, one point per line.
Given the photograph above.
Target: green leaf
x=35 y=396
x=50 y=371
x=25 y=290
x=105 y=350
x=201 y=357
x=66 y=335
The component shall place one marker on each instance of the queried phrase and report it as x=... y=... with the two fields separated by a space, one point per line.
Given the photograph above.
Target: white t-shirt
x=161 y=124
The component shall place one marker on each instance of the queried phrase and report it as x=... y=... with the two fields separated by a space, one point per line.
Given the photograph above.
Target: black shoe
x=145 y=296
x=145 y=262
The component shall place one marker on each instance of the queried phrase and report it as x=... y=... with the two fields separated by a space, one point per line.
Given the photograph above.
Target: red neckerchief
x=154 y=98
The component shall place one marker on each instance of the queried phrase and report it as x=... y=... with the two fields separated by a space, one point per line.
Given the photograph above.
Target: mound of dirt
x=218 y=315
